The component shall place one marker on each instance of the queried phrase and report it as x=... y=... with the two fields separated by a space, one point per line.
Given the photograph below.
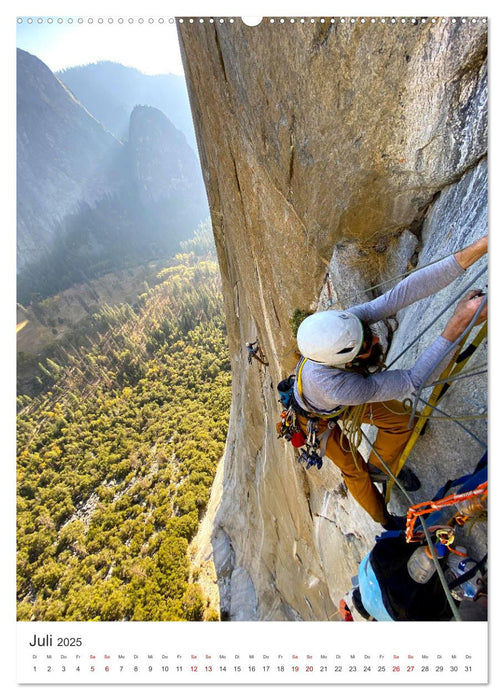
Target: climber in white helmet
x=340 y=356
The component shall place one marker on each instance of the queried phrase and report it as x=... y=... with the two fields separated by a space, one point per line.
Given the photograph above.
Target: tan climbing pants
x=393 y=434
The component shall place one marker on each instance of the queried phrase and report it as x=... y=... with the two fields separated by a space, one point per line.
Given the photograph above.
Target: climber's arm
x=421 y=284
x=472 y=253
x=350 y=388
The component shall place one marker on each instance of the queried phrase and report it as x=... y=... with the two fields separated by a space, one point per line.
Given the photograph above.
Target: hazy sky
x=61 y=42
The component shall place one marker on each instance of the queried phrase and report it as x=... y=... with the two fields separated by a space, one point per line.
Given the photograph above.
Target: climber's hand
x=464 y=313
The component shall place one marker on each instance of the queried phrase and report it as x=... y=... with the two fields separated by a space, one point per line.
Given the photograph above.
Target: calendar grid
x=310 y=653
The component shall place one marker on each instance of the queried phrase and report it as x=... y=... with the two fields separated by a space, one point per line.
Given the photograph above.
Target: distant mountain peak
x=89 y=203
x=111 y=90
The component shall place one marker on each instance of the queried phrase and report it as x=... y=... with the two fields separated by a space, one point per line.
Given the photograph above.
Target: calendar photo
x=252 y=298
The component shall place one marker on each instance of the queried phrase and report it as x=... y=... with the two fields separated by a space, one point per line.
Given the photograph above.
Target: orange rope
x=431 y=506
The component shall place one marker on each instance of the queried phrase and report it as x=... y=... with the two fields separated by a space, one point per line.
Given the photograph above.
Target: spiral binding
x=265 y=20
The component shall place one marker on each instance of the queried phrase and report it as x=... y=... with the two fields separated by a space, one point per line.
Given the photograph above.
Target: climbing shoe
x=408 y=479
x=376 y=474
x=394 y=522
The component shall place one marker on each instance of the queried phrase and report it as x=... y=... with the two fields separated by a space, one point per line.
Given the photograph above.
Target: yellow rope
x=351 y=419
x=479 y=416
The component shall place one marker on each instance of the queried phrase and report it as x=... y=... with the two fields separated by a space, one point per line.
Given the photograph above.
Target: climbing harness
x=312 y=446
x=350 y=418
x=455 y=366
x=314 y=451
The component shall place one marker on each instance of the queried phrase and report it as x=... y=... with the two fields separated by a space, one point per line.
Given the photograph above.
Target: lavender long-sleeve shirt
x=326 y=387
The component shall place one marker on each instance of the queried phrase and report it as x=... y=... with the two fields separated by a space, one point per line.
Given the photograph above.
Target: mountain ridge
x=111 y=90
x=83 y=208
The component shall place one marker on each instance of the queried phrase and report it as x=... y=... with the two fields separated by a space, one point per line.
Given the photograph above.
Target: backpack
x=287 y=427
x=388 y=592
x=285 y=390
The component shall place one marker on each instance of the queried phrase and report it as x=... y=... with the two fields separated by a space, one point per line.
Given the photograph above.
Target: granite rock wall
x=335 y=156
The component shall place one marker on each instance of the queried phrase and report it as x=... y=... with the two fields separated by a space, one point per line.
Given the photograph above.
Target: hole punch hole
x=251 y=21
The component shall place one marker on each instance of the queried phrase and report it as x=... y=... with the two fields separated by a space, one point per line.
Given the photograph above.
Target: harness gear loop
x=325 y=436
x=350 y=417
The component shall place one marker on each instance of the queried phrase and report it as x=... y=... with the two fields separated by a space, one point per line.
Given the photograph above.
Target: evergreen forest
x=117 y=450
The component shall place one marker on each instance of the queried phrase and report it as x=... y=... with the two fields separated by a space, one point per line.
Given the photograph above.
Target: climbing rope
x=456 y=419
x=380 y=285
x=482 y=369
x=454 y=345
x=454 y=367
x=457 y=296
x=445 y=417
x=351 y=420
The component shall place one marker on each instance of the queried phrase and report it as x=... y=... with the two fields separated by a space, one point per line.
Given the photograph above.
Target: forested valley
x=117 y=448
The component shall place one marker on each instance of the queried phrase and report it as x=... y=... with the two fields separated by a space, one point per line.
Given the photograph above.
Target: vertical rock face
x=327 y=149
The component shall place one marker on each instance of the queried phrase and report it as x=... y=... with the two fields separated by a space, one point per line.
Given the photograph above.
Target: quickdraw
x=309 y=447
x=310 y=455
x=288 y=430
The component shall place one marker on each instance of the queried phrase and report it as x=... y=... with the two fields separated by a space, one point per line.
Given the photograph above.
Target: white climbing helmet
x=330 y=337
